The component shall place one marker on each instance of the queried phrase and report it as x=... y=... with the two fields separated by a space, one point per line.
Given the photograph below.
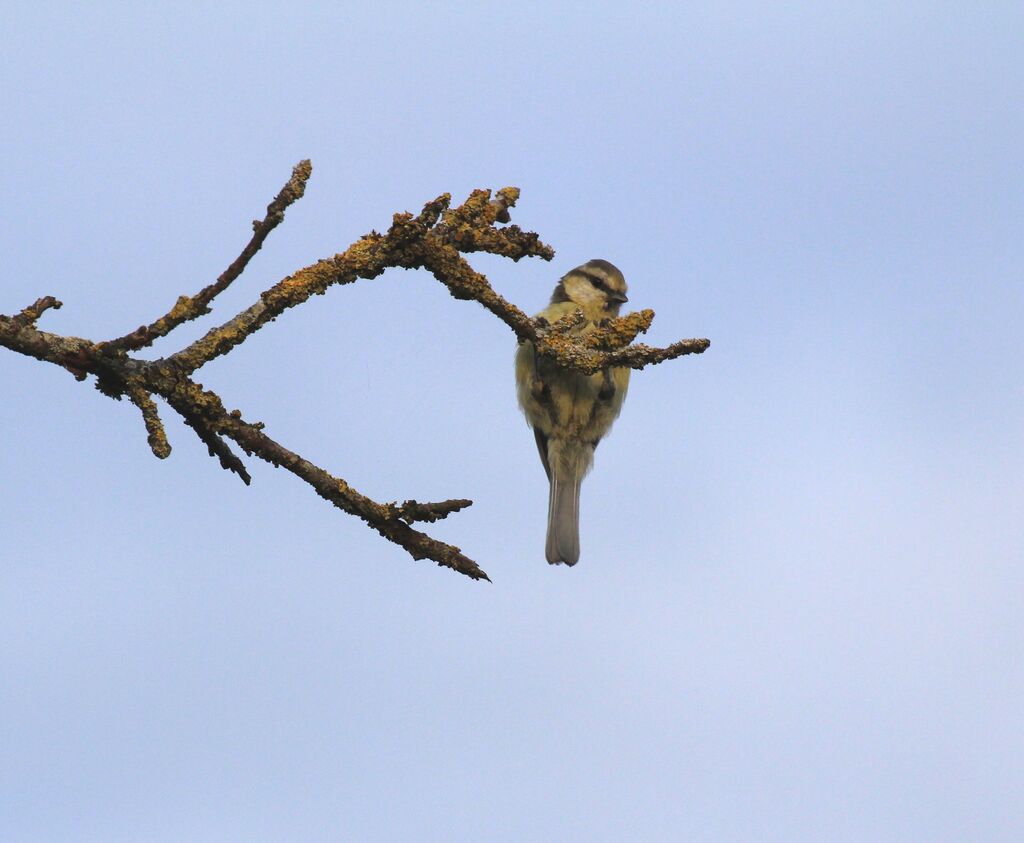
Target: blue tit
x=571 y=412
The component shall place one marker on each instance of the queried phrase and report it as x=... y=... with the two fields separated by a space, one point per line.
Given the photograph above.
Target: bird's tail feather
x=563 y=542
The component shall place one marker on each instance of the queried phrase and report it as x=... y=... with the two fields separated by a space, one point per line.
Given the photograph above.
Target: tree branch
x=30 y=315
x=155 y=433
x=436 y=239
x=188 y=308
x=387 y=519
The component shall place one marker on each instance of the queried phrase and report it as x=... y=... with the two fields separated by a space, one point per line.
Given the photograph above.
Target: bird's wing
x=542 y=447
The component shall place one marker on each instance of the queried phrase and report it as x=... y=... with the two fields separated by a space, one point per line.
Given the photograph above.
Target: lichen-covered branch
x=187 y=308
x=30 y=315
x=436 y=239
x=155 y=433
x=390 y=520
x=411 y=242
x=609 y=345
x=413 y=511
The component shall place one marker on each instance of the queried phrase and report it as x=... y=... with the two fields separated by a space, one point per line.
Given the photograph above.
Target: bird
x=571 y=412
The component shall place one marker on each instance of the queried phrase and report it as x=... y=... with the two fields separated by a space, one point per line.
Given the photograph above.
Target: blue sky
x=797 y=613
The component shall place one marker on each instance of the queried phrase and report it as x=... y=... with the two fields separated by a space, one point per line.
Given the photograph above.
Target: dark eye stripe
x=597 y=281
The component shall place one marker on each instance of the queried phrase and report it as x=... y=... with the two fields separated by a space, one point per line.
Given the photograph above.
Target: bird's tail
x=563 y=543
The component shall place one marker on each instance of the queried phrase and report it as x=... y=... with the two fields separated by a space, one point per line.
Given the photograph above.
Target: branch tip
x=412 y=511
x=156 y=436
x=30 y=315
x=187 y=308
x=505 y=199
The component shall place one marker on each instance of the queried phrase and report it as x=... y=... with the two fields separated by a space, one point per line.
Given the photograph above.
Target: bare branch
x=385 y=519
x=413 y=511
x=436 y=239
x=203 y=411
x=30 y=315
x=156 y=435
x=638 y=356
x=188 y=308
x=73 y=353
x=464 y=282
x=411 y=242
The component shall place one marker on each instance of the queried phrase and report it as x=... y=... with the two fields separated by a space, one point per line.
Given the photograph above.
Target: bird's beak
x=620 y=298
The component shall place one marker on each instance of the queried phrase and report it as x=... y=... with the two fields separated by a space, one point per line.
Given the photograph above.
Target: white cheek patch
x=583 y=292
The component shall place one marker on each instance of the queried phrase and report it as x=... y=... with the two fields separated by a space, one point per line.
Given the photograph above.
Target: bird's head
x=596 y=286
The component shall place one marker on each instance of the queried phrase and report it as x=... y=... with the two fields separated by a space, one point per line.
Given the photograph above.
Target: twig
x=411 y=242
x=203 y=411
x=638 y=356
x=188 y=308
x=413 y=511
x=385 y=519
x=156 y=435
x=30 y=315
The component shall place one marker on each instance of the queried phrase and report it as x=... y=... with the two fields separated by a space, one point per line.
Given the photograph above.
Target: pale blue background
x=798 y=616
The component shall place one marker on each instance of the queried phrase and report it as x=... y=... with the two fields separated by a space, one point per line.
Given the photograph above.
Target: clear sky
x=798 y=613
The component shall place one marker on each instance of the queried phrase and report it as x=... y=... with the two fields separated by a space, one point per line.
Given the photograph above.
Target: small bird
x=570 y=412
